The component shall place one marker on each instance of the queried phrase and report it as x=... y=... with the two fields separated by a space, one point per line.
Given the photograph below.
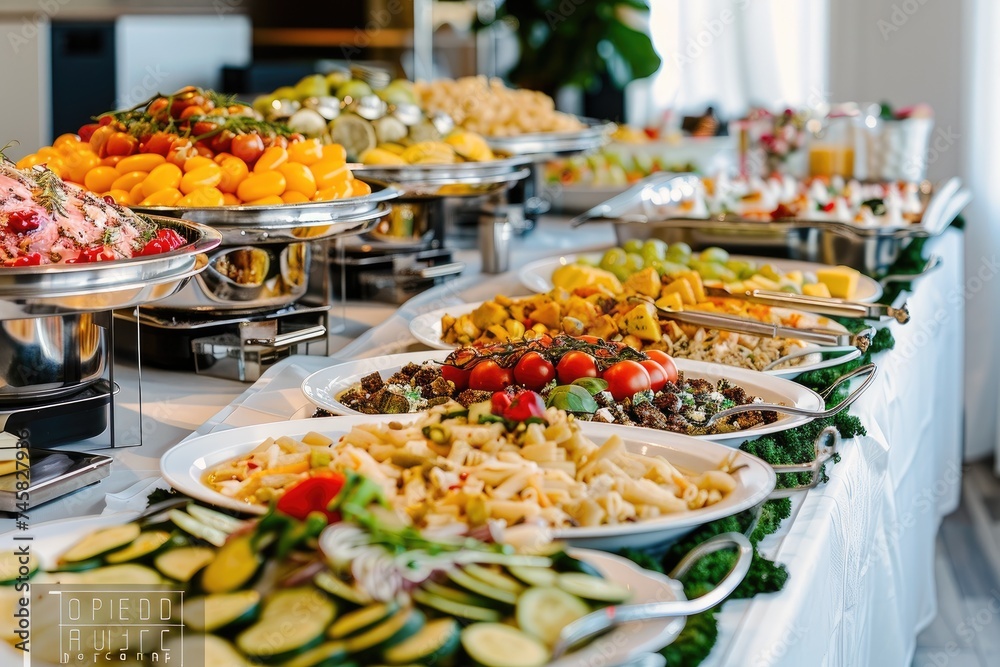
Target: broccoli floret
x=771 y=516
x=848 y=425
x=159 y=495
x=695 y=641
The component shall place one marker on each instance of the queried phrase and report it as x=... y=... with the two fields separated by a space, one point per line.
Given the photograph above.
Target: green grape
x=769 y=272
x=713 y=271
x=714 y=254
x=679 y=252
x=668 y=268
x=587 y=261
x=634 y=262
x=620 y=271
x=653 y=250
x=748 y=273
x=633 y=245
x=737 y=266
x=612 y=258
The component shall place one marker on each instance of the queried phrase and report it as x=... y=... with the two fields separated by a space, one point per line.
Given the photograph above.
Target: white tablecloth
x=859 y=549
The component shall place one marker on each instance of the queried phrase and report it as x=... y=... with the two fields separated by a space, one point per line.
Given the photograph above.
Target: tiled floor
x=966 y=632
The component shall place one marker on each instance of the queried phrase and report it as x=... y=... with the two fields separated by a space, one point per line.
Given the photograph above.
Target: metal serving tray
x=465 y=179
x=82 y=469
x=544 y=145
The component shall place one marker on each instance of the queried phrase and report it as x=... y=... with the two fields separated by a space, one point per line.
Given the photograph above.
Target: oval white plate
x=50 y=539
x=184 y=467
x=426 y=328
x=537 y=275
x=323 y=387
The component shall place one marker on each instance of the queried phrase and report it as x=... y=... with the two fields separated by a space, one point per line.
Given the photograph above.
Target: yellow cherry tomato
x=258 y=186
x=164 y=177
x=29 y=161
x=360 y=188
x=130 y=180
x=140 y=162
x=49 y=151
x=202 y=197
x=66 y=142
x=196 y=162
x=270 y=200
x=78 y=164
x=298 y=178
x=207 y=176
x=337 y=191
x=234 y=170
x=164 y=197
x=58 y=166
x=335 y=152
x=120 y=196
x=327 y=172
x=229 y=199
x=270 y=159
x=219 y=157
x=135 y=195
x=293 y=197
x=307 y=151
x=112 y=160
x=100 y=179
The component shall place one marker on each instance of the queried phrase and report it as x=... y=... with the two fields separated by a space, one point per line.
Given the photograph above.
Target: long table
x=859 y=549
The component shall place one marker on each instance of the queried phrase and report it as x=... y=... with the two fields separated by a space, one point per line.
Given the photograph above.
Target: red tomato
x=247 y=147
x=657 y=376
x=575 y=365
x=121 y=143
x=534 y=371
x=500 y=402
x=87 y=131
x=159 y=143
x=221 y=142
x=488 y=375
x=665 y=360
x=626 y=378
x=459 y=376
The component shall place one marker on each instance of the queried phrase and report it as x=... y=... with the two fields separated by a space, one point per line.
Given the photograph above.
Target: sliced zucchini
x=217 y=520
x=462 y=597
x=221 y=653
x=437 y=641
x=291 y=622
x=147 y=543
x=101 y=542
x=12 y=567
x=236 y=563
x=400 y=626
x=213 y=650
x=593 y=588
x=454 y=608
x=209 y=613
x=196 y=528
x=495 y=578
x=563 y=562
x=328 y=654
x=327 y=581
x=544 y=612
x=362 y=619
x=128 y=574
x=479 y=587
x=81 y=566
x=183 y=563
x=499 y=645
x=534 y=576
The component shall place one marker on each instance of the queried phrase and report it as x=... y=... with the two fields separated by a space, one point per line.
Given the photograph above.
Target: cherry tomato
x=121 y=143
x=526 y=405
x=247 y=147
x=193 y=110
x=142 y=162
x=309 y=151
x=158 y=108
x=575 y=365
x=234 y=170
x=626 y=378
x=298 y=176
x=159 y=143
x=270 y=159
x=206 y=176
x=87 y=131
x=257 y=186
x=105 y=119
x=666 y=361
x=534 y=371
x=204 y=127
x=31 y=259
x=164 y=177
x=488 y=375
x=221 y=142
x=99 y=140
x=657 y=376
x=100 y=179
x=499 y=403
x=456 y=375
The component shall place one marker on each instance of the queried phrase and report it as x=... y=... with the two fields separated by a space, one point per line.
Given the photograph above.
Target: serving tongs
x=816 y=304
x=603 y=620
x=660 y=189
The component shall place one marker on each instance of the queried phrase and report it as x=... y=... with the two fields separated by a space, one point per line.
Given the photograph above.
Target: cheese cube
x=842 y=281
x=682 y=287
x=815 y=289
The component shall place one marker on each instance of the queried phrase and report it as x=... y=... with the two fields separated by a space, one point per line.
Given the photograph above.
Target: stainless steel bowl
x=545 y=145
x=465 y=179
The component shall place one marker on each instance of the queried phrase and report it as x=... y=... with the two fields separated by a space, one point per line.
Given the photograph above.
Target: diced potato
x=633 y=342
x=646 y=282
x=682 y=287
x=642 y=323
x=488 y=314
x=549 y=314
x=604 y=327
x=672 y=301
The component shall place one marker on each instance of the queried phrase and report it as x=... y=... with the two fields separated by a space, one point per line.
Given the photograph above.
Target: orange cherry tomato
x=334 y=152
x=229 y=199
x=360 y=188
x=308 y=151
x=234 y=170
x=260 y=185
x=79 y=164
x=120 y=196
x=293 y=197
x=112 y=160
x=196 y=162
x=165 y=197
x=339 y=190
x=100 y=179
x=202 y=197
x=328 y=172
x=121 y=143
x=271 y=159
x=200 y=178
x=66 y=142
x=130 y=180
x=298 y=178
x=135 y=195
x=270 y=200
x=140 y=162
x=159 y=143
x=165 y=177
x=193 y=110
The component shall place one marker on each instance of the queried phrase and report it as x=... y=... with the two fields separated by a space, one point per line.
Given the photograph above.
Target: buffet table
x=859 y=549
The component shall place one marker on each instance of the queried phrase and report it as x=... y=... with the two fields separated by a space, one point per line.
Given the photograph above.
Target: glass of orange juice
x=831 y=150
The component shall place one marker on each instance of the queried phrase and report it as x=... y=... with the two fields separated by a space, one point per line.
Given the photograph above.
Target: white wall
x=24 y=80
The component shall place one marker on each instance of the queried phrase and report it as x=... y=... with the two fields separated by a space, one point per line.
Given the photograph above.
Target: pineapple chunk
x=549 y=314
x=842 y=281
x=816 y=289
x=682 y=287
x=641 y=322
x=697 y=286
x=488 y=314
x=581 y=309
x=670 y=301
x=646 y=282
x=760 y=282
x=604 y=327
x=795 y=277
x=575 y=276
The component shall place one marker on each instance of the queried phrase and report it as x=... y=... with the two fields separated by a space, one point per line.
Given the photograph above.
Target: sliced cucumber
x=147 y=543
x=457 y=609
x=544 y=612
x=499 y=645
x=534 y=576
x=400 y=626
x=236 y=563
x=362 y=619
x=12 y=567
x=437 y=641
x=209 y=613
x=196 y=528
x=101 y=542
x=80 y=566
x=563 y=562
x=479 y=587
x=291 y=622
x=328 y=582
x=589 y=587
x=183 y=563
x=495 y=578
x=462 y=597
x=329 y=654
x=221 y=653
x=217 y=520
x=480 y=409
x=128 y=574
